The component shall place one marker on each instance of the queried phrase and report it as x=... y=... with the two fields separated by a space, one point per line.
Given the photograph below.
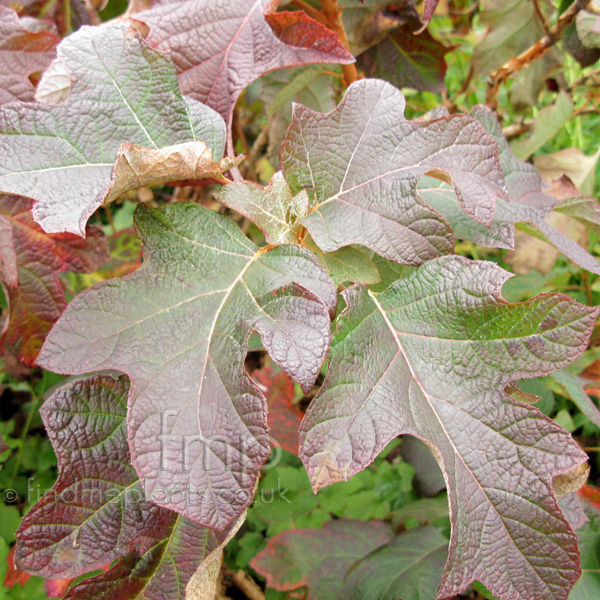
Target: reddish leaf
x=284 y=416
x=590 y=494
x=36 y=298
x=221 y=47
x=56 y=588
x=14 y=575
x=179 y=327
x=319 y=558
x=95 y=514
x=431 y=356
x=430 y=6
x=8 y=256
x=362 y=181
x=25 y=48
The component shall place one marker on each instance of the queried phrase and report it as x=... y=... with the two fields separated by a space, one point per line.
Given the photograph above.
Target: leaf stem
x=247 y=585
x=533 y=53
x=333 y=19
x=66 y=26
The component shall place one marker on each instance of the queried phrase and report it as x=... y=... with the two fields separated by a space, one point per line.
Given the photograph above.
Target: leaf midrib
x=449 y=438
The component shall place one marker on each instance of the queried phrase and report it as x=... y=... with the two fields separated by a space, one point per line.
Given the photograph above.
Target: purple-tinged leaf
x=24 y=50
x=219 y=47
x=361 y=165
x=60 y=157
x=319 y=558
x=431 y=357
x=96 y=513
x=179 y=327
x=409 y=567
x=573 y=510
x=8 y=254
x=530 y=200
x=34 y=291
x=430 y=6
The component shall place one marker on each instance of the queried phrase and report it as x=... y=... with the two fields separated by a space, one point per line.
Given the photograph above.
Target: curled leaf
x=58 y=156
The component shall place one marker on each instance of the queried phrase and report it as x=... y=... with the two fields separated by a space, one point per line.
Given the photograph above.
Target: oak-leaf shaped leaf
x=221 y=46
x=69 y=156
x=179 y=327
x=361 y=164
x=430 y=357
x=529 y=202
x=96 y=512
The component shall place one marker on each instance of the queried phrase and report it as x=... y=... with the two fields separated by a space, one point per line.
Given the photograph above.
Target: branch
x=539 y=49
x=312 y=12
x=333 y=20
x=246 y=584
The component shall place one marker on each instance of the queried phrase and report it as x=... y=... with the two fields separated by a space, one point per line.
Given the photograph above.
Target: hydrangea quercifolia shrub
x=180 y=442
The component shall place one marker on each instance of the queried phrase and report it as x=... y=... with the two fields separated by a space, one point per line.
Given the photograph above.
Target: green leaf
x=549 y=121
x=588 y=26
x=300 y=80
x=274 y=209
x=350 y=263
x=319 y=558
x=409 y=567
x=588 y=586
x=574 y=388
